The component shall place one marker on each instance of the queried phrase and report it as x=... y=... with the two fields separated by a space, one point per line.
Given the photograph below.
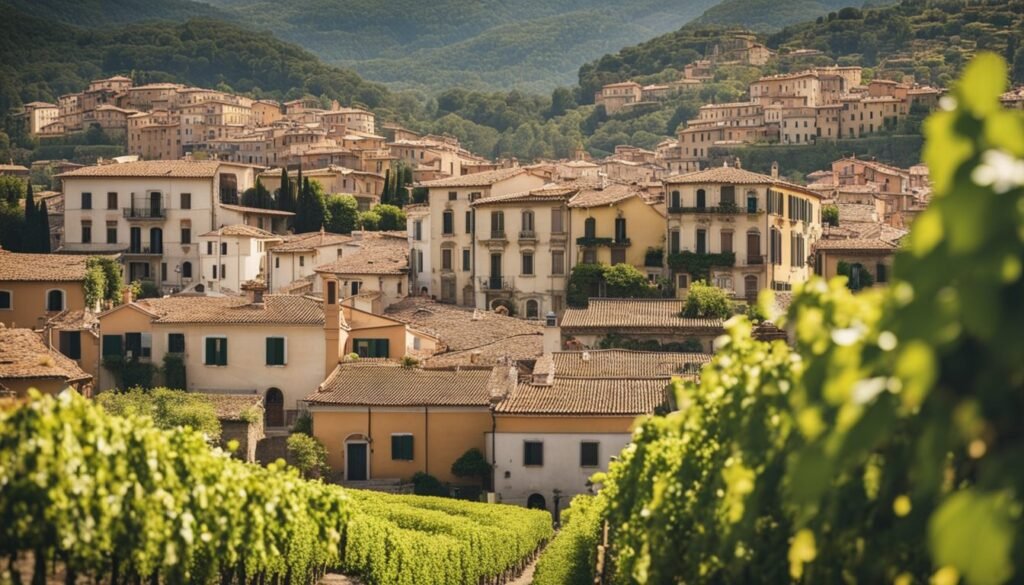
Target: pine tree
x=385 y=195
x=42 y=229
x=30 y=204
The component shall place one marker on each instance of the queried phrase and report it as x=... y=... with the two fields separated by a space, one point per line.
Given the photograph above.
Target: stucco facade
x=31 y=301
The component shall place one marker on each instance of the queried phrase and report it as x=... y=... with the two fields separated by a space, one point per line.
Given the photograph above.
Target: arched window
x=532 y=309
x=55 y=300
x=536 y=502
x=156 y=240
x=273 y=404
x=702 y=199
x=527 y=222
x=590 y=228
x=186 y=270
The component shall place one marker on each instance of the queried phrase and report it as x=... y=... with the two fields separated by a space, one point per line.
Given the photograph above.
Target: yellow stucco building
x=615 y=223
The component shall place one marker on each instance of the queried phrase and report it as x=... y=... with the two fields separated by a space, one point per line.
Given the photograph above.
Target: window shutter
x=222 y=357
x=211 y=351
x=271 y=352
x=112 y=346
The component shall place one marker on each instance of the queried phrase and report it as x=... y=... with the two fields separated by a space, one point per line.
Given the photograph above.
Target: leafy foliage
x=416 y=539
x=342 y=213
x=168 y=408
x=707 y=301
x=424 y=484
x=699 y=266
x=879 y=448
x=473 y=465
x=307 y=454
x=618 y=281
x=570 y=558
x=161 y=504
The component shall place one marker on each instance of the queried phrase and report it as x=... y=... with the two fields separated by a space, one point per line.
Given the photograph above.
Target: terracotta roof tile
x=484 y=179
x=194 y=169
x=854 y=244
x=545 y=193
x=42 y=267
x=377 y=254
x=241 y=230
x=611 y=193
x=515 y=348
x=308 y=241
x=579 y=396
x=276 y=309
x=256 y=210
x=24 y=355
x=74 y=320
x=458 y=328
x=384 y=383
x=635 y=313
x=624 y=363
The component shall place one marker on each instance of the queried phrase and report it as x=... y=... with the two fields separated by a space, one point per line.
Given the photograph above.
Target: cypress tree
x=285 y=198
x=302 y=208
x=42 y=229
x=385 y=195
x=30 y=204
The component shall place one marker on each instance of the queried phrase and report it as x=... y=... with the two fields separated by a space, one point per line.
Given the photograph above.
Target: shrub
x=303 y=424
x=571 y=557
x=424 y=484
x=169 y=409
x=472 y=464
x=704 y=300
x=307 y=454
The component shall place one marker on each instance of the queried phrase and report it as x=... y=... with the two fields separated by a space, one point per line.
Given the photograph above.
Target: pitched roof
x=376 y=254
x=540 y=195
x=624 y=363
x=723 y=175
x=859 y=212
x=24 y=355
x=855 y=244
x=256 y=210
x=386 y=383
x=241 y=230
x=609 y=194
x=483 y=179
x=276 y=309
x=635 y=313
x=308 y=241
x=459 y=328
x=74 y=320
x=578 y=396
x=181 y=169
x=515 y=348
x=42 y=267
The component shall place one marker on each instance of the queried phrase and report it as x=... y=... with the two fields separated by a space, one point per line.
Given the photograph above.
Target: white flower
x=1000 y=170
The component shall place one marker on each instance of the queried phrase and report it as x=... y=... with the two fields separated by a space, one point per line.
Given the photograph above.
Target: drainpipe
x=426 y=442
x=494 y=453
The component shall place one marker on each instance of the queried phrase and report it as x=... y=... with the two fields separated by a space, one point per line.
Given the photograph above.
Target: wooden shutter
x=112 y=346
x=222 y=355
x=211 y=351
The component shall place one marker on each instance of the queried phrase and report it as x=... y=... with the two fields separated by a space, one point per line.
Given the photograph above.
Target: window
x=881 y=274
x=527 y=263
x=371 y=348
x=726 y=241
x=6 y=300
x=590 y=228
x=751 y=202
x=186 y=201
x=497 y=224
x=466 y=260
x=86 y=200
x=446 y=259
x=354 y=286
x=674 y=201
x=55 y=300
x=589 y=453
x=332 y=292
x=86 y=232
x=557 y=262
x=215 y=272
x=71 y=344
x=527 y=218
x=618 y=256
x=452 y=195
x=111 y=200
x=275 y=351
x=417 y=230
x=775 y=247
x=673 y=240
x=163 y=272
x=176 y=343
x=702 y=241
x=112 y=346
x=728 y=196
x=401 y=447
x=139 y=345
x=533 y=453
x=589 y=256
x=448 y=223
x=682 y=280
x=111 y=232
x=557 y=225
x=469 y=222
x=620 y=230
x=224 y=249
x=186 y=269
x=216 y=351
x=702 y=198
x=302 y=260
x=186 y=235
x=532 y=309
x=209 y=248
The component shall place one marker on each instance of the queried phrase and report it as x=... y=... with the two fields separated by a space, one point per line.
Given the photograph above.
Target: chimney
x=552 y=334
x=127 y=295
x=739 y=163
x=474 y=357
x=775 y=169
x=543 y=371
x=333 y=320
x=254 y=290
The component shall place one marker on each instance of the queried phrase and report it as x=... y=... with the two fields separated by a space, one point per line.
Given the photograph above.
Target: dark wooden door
x=355 y=462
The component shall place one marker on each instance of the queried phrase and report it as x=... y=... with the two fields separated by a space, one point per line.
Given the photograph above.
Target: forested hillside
x=767 y=15
x=532 y=45
x=107 y=12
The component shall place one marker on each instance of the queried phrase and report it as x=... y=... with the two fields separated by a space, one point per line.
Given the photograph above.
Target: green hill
x=106 y=12
x=532 y=45
x=766 y=15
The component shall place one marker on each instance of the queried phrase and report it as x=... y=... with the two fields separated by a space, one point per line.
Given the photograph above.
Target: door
x=154 y=205
x=355 y=462
x=273 y=414
x=156 y=240
x=495 y=272
x=447 y=291
x=750 y=288
x=135 y=240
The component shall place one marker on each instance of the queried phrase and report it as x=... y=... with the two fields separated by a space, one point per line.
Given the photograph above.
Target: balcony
x=756 y=260
x=496 y=283
x=590 y=241
x=495 y=236
x=527 y=236
x=144 y=213
x=144 y=251
x=725 y=208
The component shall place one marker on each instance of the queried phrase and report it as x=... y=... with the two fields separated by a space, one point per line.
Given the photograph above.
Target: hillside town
x=473 y=328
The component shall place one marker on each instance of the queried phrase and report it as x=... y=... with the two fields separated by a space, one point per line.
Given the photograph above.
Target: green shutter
x=401 y=447
x=271 y=352
x=280 y=350
x=275 y=351
x=222 y=357
x=211 y=351
x=382 y=349
x=112 y=346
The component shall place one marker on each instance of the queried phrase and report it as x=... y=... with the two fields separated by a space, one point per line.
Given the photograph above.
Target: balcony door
x=154 y=204
x=495 y=283
x=753 y=248
x=135 y=240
